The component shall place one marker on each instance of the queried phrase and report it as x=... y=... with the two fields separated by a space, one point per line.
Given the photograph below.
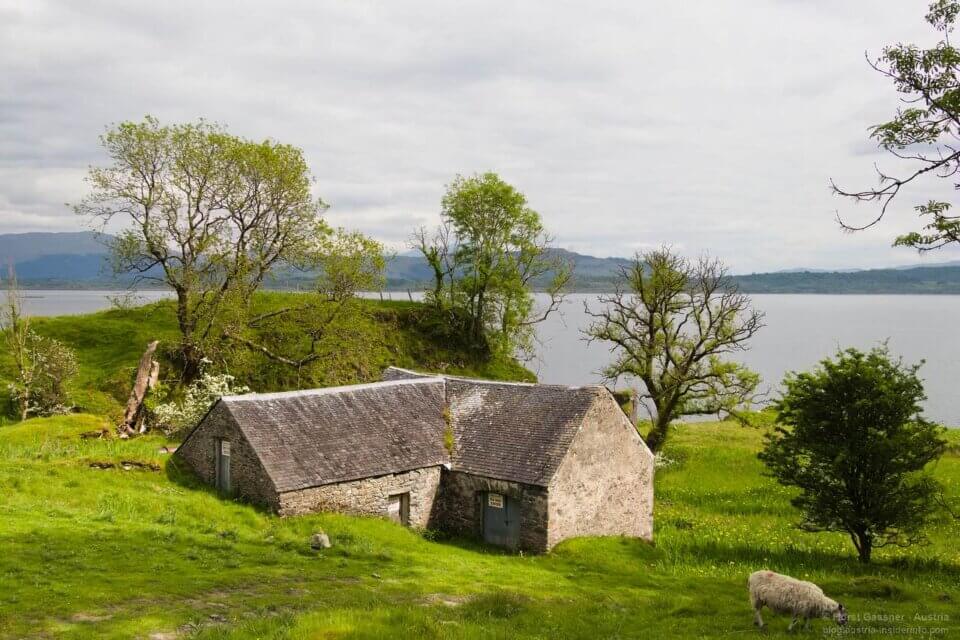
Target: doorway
x=223 y=466
x=501 y=520
x=398 y=508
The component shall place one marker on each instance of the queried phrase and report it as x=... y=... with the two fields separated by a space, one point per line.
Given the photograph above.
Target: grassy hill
x=109 y=345
x=107 y=538
x=139 y=550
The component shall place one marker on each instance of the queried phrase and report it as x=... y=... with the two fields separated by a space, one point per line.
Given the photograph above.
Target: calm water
x=59 y=303
x=800 y=330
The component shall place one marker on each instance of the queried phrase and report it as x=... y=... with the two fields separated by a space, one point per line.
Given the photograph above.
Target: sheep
x=784 y=594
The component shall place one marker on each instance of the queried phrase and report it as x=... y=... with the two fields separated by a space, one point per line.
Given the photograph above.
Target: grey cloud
x=711 y=125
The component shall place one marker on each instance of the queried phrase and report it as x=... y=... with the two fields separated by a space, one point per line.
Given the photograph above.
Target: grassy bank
x=121 y=552
x=109 y=345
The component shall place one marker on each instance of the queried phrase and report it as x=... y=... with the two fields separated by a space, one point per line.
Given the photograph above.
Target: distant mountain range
x=69 y=259
x=78 y=260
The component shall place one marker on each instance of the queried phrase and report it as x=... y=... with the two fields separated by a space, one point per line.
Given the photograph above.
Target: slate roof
x=511 y=431
x=322 y=436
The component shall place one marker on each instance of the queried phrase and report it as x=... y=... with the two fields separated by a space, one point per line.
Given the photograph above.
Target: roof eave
x=361 y=477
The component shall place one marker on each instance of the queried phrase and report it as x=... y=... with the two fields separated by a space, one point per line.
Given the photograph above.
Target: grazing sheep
x=784 y=594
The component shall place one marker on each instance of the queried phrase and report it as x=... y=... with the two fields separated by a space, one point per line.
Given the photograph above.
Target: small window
x=495 y=500
x=398 y=508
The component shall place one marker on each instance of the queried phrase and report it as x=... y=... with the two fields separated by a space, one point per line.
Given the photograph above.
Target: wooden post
x=634 y=406
x=148 y=373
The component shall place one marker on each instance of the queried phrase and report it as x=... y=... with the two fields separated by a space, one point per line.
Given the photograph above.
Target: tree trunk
x=192 y=361
x=478 y=320
x=864 y=544
x=191 y=355
x=657 y=436
x=437 y=287
x=148 y=373
x=151 y=384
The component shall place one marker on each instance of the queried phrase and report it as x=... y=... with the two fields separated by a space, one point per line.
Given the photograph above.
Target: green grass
x=109 y=345
x=114 y=553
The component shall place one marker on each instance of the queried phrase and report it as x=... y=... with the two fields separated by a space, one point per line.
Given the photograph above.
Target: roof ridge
x=444 y=376
x=321 y=391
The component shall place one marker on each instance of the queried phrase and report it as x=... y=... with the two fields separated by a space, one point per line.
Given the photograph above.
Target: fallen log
x=148 y=373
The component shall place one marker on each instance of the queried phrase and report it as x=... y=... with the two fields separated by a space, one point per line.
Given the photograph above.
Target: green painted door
x=223 y=466
x=501 y=520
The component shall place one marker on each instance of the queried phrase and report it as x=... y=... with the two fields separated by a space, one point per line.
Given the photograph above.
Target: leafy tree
x=349 y=263
x=923 y=133
x=854 y=442
x=208 y=214
x=42 y=366
x=670 y=322
x=486 y=256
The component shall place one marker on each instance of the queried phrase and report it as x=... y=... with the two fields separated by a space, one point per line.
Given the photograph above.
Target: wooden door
x=223 y=466
x=501 y=520
x=398 y=508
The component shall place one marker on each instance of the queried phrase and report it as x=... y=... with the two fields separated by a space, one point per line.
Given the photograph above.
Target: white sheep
x=784 y=594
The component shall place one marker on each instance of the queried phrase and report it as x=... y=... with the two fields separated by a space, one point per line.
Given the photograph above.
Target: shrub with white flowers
x=177 y=417
x=44 y=367
x=661 y=461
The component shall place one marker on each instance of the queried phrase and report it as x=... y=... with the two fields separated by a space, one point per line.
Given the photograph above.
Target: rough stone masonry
x=565 y=459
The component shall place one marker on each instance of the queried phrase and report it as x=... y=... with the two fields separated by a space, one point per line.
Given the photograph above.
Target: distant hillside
x=593 y=274
x=58 y=260
x=918 y=280
x=78 y=260
x=26 y=247
x=67 y=267
x=590 y=273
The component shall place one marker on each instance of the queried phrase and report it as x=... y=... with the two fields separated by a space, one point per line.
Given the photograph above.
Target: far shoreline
x=118 y=288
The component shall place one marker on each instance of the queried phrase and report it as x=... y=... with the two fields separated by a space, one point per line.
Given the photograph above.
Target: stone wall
x=604 y=485
x=460 y=509
x=368 y=496
x=248 y=479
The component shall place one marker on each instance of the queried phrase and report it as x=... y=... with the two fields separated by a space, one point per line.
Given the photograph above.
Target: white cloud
x=712 y=126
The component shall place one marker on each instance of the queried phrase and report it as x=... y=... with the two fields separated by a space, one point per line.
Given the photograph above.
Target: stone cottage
x=519 y=465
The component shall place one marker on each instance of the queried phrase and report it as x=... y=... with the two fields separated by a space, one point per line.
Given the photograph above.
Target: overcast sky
x=711 y=126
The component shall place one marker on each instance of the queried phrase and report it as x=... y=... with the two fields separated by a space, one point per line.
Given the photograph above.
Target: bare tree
x=16 y=332
x=669 y=323
x=441 y=258
x=924 y=134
